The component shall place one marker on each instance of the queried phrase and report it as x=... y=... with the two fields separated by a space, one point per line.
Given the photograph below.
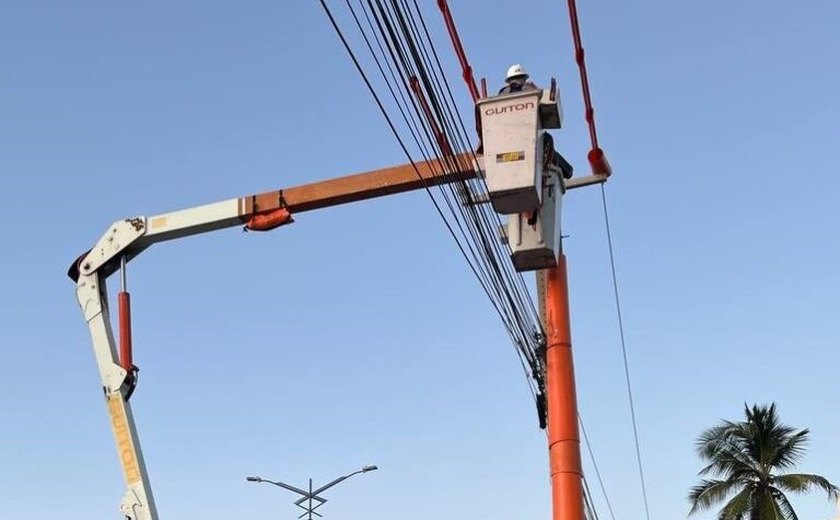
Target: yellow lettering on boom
x=125 y=447
x=158 y=222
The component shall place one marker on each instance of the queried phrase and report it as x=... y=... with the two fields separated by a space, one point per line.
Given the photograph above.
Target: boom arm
x=127 y=238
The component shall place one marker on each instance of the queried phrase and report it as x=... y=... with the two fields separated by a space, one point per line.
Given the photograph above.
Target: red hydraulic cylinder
x=124 y=303
x=563 y=432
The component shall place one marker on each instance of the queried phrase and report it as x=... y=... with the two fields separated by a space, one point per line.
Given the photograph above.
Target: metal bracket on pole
x=589 y=180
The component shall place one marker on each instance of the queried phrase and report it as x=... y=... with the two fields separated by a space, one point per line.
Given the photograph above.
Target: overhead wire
x=449 y=120
x=591 y=511
x=406 y=48
x=437 y=109
x=510 y=273
x=400 y=141
x=402 y=107
x=439 y=133
x=600 y=166
x=513 y=277
x=486 y=243
x=410 y=67
x=433 y=89
x=627 y=379
x=589 y=507
x=595 y=467
x=391 y=124
x=508 y=319
x=472 y=209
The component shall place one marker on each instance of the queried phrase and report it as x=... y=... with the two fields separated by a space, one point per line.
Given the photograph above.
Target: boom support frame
x=127 y=238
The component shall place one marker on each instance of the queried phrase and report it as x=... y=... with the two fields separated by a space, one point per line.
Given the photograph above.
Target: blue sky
x=357 y=335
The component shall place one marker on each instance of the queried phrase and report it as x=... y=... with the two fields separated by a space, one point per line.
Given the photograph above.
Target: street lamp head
x=369 y=468
x=253 y=479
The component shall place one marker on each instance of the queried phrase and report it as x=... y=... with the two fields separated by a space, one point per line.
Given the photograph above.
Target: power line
x=624 y=352
x=590 y=513
x=595 y=465
x=444 y=113
x=589 y=507
x=419 y=91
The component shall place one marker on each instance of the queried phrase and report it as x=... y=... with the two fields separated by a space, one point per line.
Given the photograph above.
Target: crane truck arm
x=522 y=157
x=127 y=238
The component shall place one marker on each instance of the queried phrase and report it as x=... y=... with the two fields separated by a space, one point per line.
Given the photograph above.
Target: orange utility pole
x=563 y=432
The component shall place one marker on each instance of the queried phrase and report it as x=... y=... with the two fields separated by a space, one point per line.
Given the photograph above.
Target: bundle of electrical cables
x=408 y=84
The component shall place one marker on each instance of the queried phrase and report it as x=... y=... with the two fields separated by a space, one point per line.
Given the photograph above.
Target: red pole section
x=459 y=49
x=563 y=433
x=124 y=302
x=597 y=159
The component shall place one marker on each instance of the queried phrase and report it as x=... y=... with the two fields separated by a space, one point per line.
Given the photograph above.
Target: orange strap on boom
x=269 y=220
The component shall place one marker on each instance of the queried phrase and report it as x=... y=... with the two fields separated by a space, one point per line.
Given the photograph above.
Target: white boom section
x=193 y=221
x=137 y=503
x=127 y=238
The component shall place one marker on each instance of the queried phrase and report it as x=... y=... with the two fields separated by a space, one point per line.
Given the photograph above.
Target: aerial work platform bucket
x=512 y=127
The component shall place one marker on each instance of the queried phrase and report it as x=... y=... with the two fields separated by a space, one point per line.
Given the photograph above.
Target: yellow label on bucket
x=510 y=157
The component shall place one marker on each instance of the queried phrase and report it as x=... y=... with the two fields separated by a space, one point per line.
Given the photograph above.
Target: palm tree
x=747 y=457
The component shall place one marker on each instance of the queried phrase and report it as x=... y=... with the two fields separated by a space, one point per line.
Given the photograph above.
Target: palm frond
x=765 y=507
x=783 y=504
x=790 y=450
x=708 y=441
x=730 y=460
x=804 y=482
x=709 y=492
x=723 y=447
x=758 y=432
x=739 y=506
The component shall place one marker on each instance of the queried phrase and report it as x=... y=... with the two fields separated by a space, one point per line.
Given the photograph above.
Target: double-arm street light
x=310 y=501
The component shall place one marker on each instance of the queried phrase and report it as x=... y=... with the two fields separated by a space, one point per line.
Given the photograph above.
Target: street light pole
x=308 y=496
x=310 y=499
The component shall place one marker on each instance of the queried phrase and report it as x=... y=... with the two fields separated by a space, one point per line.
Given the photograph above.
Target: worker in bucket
x=517 y=81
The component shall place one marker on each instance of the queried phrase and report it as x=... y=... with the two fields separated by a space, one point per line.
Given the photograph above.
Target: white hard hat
x=516 y=71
